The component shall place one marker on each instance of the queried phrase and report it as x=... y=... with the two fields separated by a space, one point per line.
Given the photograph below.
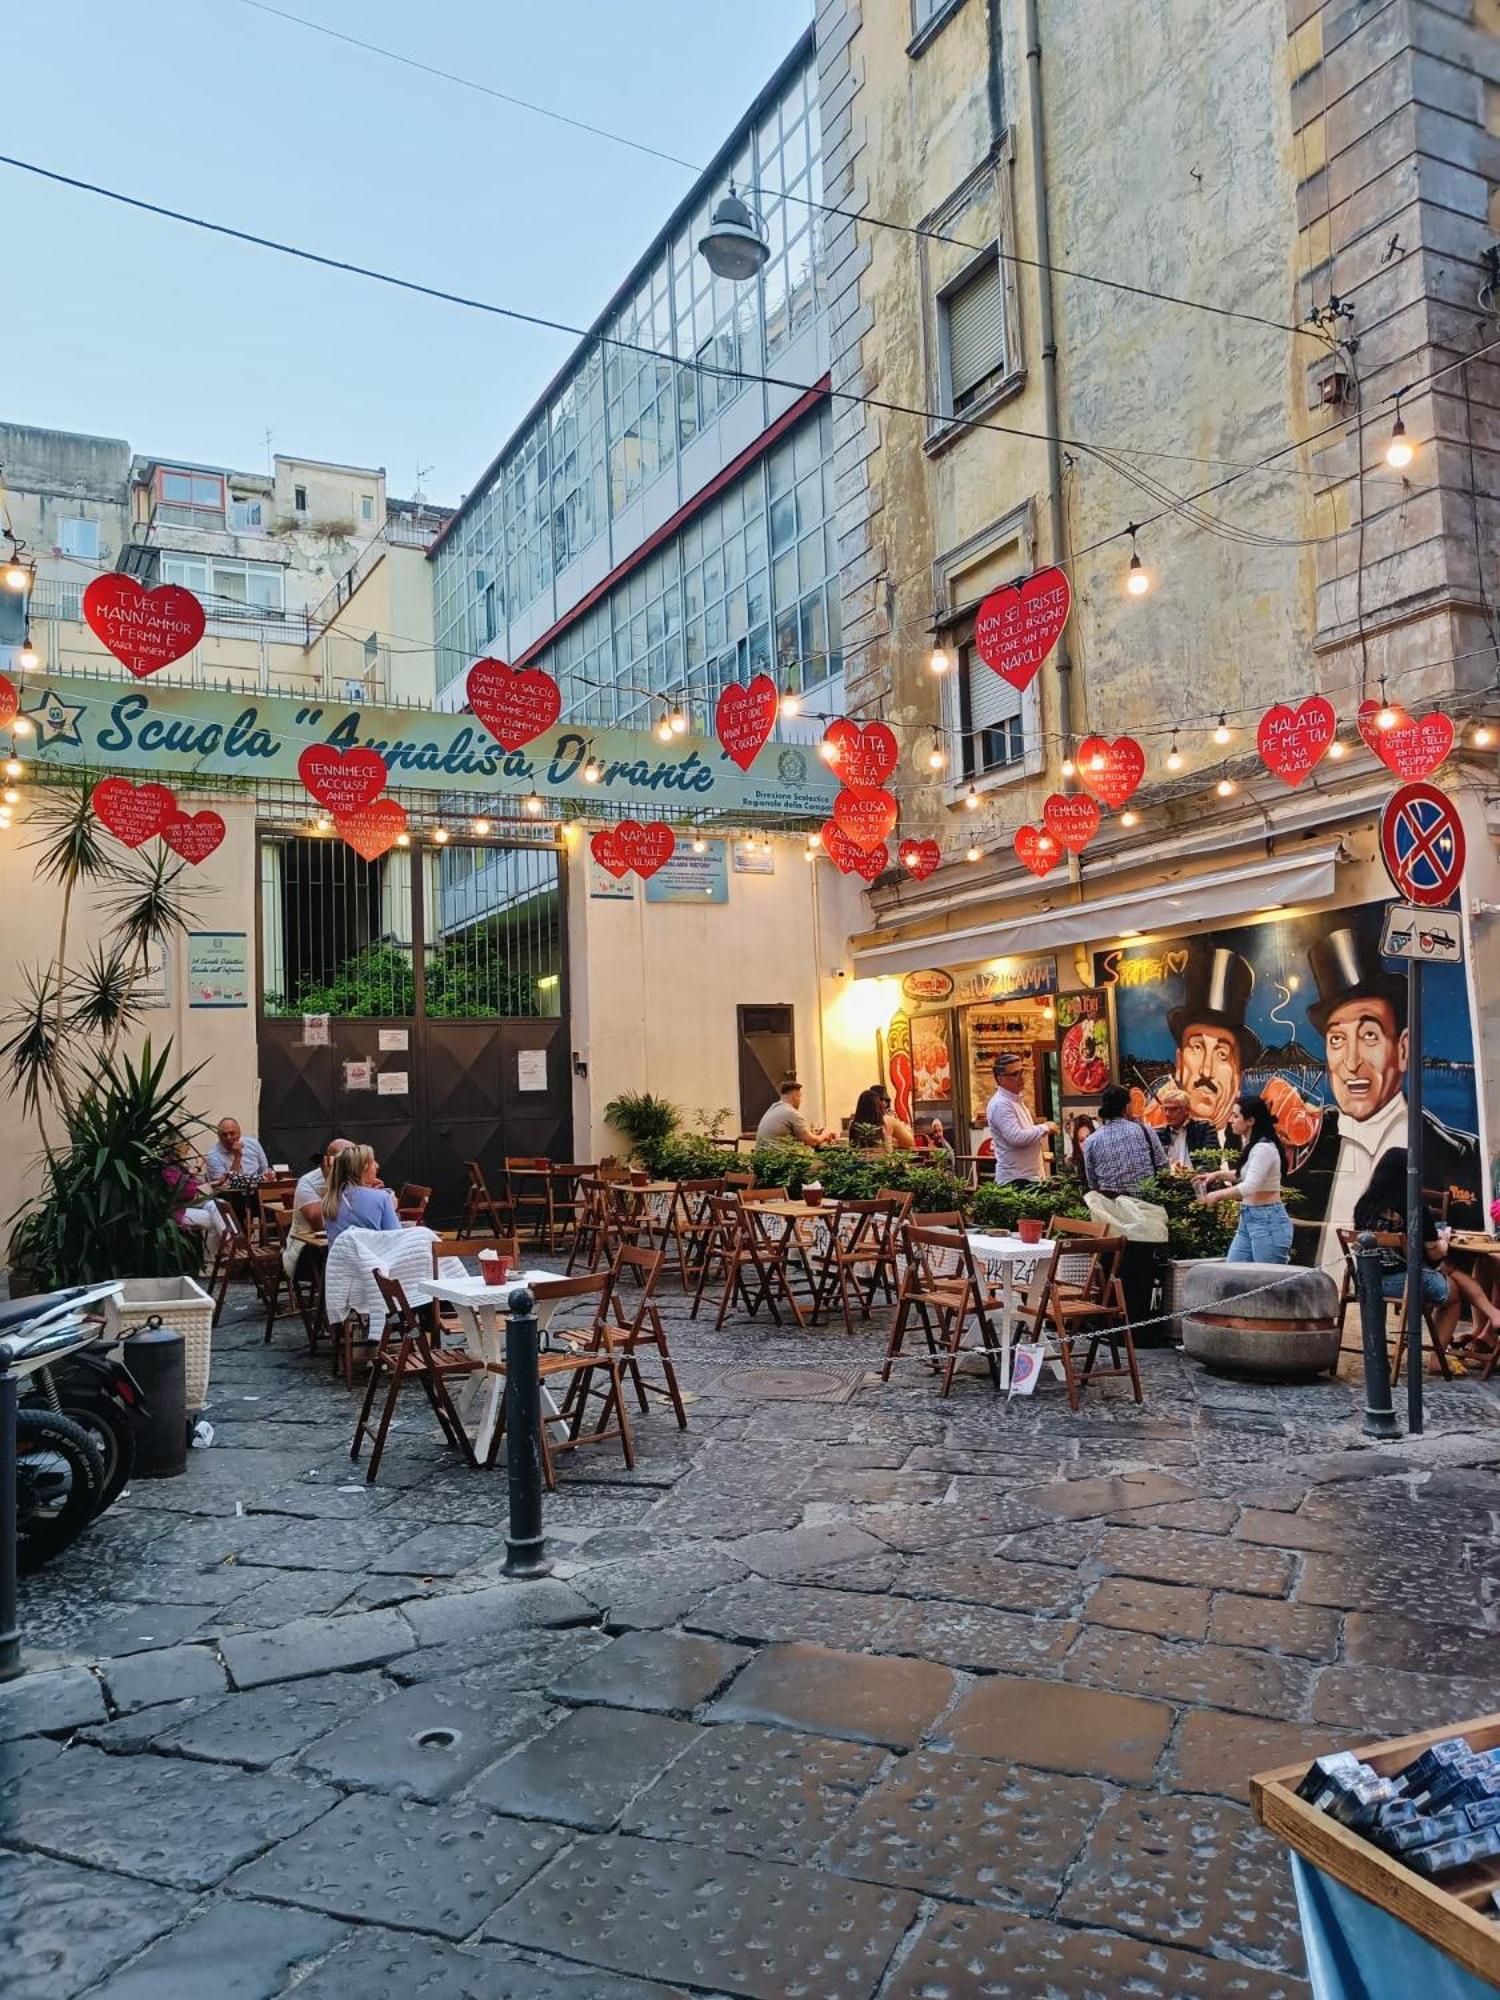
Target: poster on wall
x=690 y=877
x=1083 y=1044
x=931 y=1059
x=606 y=887
x=1305 y=1011
x=218 y=969
x=990 y=1032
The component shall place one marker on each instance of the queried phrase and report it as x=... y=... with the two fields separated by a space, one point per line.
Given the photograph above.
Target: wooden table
x=483 y=1309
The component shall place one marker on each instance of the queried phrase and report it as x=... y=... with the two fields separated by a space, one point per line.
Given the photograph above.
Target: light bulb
x=971 y=799
x=938 y=661
x=677 y=722
x=935 y=758
x=17 y=574
x=1137 y=577
x=815 y=840
x=1128 y=818
x=1399 y=453
x=440 y=836
x=765 y=847
x=533 y=803
x=481 y=827
x=973 y=853
x=1174 y=755
x=1068 y=767
x=1045 y=844
x=1484 y=736
x=1337 y=751
x=1098 y=762
x=791 y=704
x=28 y=659
x=322 y=824
x=1223 y=732
x=1387 y=717
x=1225 y=788
x=14 y=768
x=591 y=772
x=403 y=840
x=22 y=726
x=700 y=847
x=664 y=729
x=828 y=750
x=809 y=853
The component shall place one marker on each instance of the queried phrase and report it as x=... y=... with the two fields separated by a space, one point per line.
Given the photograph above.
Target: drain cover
x=791 y=1385
x=437 y=1739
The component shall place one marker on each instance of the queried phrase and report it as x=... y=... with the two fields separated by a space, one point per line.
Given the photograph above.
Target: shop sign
x=934 y=986
x=1011 y=979
x=83 y=721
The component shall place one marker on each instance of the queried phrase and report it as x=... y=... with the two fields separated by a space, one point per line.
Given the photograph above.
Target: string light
x=533 y=803
x=11 y=796
x=17 y=574
x=815 y=841
x=791 y=704
x=828 y=750
x=765 y=846
x=322 y=824
x=1337 y=751
x=1045 y=844
x=664 y=729
x=1068 y=768
x=14 y=768
x=1225 y=788
x=403 y=840
x=938 y=661
x=1174 y=755
x=1223 y=733
x=935 y=757
x=1483 y=737
x=1129 y=818
x=1400 y=452
x=971 y=799
x=22 y=726
x=1098 y=762
x=592 y=772
x=481 y=827
x=440 y=836
x=677 y=722
x=1386 y=717
x=1137 y=576
x=973 y=853
x=28 y=659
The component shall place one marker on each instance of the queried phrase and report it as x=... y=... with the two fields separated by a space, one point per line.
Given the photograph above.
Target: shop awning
x=1306 y=877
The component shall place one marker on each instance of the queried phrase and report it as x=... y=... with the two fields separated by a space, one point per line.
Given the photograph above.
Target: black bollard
x=523 y=1441
x=1380 y=1418
x=10 y=1617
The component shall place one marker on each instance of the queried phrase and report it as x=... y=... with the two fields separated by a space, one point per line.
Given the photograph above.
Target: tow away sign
x=1431 y=937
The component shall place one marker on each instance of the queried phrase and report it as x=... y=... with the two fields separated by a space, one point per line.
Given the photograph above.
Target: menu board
x=1084 y=1044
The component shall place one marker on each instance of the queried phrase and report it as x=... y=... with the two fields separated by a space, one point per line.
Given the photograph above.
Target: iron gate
x=417 y=1003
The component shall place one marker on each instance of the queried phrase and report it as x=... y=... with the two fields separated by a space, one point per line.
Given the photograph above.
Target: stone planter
x=1286 y=1330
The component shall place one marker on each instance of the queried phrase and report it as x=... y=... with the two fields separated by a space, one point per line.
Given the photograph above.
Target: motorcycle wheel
x=59 y=1477
x=113 y=1434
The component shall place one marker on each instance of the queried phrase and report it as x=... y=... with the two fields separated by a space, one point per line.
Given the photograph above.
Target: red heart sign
x=606 y=852
x=1072 y=819
x=1415 y=747
x=147 y=629
x=342 y=780
x=1037 y=850
x=919 y=857
x=1292 y=740
x=645 y=848
x=863 y=755
x=866 y=817
x=850 y=859
x=133 y=813
x=10 y=702
x=1017 y=627
x=194 y=835
x=1111 y=770
x=371 y=830
x=745 y=717
x=515 y=704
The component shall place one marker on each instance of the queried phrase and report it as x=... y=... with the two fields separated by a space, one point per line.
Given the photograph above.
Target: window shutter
x=992 y=700
x=976 y=331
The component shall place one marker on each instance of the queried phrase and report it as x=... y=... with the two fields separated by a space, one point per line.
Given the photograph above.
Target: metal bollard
x=1380 y=1418
x=10 y=1616
x=523 y=1446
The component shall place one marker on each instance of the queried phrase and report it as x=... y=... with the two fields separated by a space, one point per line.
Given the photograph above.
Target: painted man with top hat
x=1214 y=1043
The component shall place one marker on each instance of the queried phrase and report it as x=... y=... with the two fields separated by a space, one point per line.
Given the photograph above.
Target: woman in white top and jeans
x=1265 y=1232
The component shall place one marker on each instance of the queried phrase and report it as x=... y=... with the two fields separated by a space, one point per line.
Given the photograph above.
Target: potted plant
x=646 y=1121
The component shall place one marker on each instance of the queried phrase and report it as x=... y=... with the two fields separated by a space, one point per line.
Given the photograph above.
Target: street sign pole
x=1416 y=1254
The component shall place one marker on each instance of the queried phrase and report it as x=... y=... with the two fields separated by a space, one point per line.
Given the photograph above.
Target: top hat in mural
x=1346 y=965
x=1217 y=988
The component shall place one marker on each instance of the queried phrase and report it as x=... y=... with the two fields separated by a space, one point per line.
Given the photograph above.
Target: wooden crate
x=1449 y=1916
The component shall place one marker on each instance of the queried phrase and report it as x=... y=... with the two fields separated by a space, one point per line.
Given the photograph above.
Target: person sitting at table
x=867 y=1125
x=354 y=1198
x=1382 y=1207
x=307 y=1204
x=1120 y=1155
x=784 y=1122
x=234 y=1162
x=932 y=1138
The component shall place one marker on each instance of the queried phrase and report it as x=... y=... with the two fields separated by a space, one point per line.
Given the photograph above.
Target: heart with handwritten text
x=515 y=704
x=342 y=780
x=374 y=829
x=1036 y=849
x=146 y=629
x=744 y=718
x=1072 y=819
x=645 y=848
x=1414 y=747
x=863 y=754
x=1111 y=771
x=866 y=817
x=133 y=813
x=194 y=835
x=1017 y=627
x=1292 y=740
x=920 y=858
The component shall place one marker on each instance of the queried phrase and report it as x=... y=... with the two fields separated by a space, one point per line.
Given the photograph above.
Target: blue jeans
x=1264 y=1235
x=1434 y=1286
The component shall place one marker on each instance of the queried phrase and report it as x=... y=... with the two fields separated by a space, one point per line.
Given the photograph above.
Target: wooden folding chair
x=862 y=1254
x=259 y=1262
x=592 y=1235
x=481 y=1206
x=718 y=1244
x=575 y=1355
x=304 y=1283
x=689 y=1224
x=628 y=1334
x=939 y=1287
x=629 y=1217
x=772 y=1243
x=567 y=1202
x=411 y=1203
x=1089 y=1306
x=519 y=1171
x=1386 y=1240
x=407 y=1352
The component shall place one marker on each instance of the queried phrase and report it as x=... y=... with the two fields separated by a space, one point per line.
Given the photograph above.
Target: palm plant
x=648 y=1122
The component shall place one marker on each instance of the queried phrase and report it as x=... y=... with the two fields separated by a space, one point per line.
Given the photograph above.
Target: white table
x=484 y=1309
x=1001 y=1260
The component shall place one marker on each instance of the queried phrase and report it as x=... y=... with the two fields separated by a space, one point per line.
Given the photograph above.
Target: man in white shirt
x=307 y=1205
x=1015 y=1135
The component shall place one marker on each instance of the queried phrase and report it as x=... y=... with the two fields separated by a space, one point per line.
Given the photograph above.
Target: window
x=247 y=516
x=78 y=536
x=927 y=13
x=971 y=315
x=299 y=499
x=989 y=716
x=228 y=589
x=190 y=499
x=367 y=506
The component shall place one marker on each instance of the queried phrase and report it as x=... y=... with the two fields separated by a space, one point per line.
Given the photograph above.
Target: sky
x=134 y=327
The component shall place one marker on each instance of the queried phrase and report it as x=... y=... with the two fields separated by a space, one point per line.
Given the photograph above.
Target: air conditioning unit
x=356 y=693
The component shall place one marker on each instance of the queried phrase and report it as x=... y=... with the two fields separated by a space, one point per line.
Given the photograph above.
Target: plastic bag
x=1128 y=1216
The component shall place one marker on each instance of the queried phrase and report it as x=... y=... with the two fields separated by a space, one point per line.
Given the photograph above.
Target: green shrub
x=1004 y=1207
x=786 y=1165
x=686 y=1157
x=647 y=1122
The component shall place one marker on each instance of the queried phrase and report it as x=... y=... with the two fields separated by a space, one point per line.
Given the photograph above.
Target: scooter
x=60 y=1469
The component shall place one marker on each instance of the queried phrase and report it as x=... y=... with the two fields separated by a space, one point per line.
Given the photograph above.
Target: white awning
x=1306 y=877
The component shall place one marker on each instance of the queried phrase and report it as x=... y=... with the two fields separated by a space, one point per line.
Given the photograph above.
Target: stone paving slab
x=1172 y=1611
x=1386 y=1639
x=773 y=1793
x=959 y=1826
x=501 y=1661
x=661 y=1589
x=1221 y=1753
x=1274 y=1624
x=972 y=1637
x=756 y=1612
x=1209 y=1560
x=717 y=1921
x=62 y=1928
x=1060 y=1728
x=1119 y=1493
x=867 y=1700
x=502 y=1607
x=586 y=1770
x=315 y=1646
x=1381 y=1701
x=1229 y=1677
x=38 y=1702
x=141 y=1815
x=377 y=1963
x=1405 y=1578
x=233 y=1950
x=143 y=1679
x=657 y=1670
x=260 y=1728
x=425 y=1742
x=441 y=1869
x=981 y=1955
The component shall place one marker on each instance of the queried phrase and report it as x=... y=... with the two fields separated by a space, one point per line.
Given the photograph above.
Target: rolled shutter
x=976 y=331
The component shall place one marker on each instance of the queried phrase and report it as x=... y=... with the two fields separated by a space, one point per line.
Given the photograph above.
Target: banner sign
x=1002 y=979
x=180 y=732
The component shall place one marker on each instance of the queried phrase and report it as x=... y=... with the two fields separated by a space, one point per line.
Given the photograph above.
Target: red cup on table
x=494 y=1268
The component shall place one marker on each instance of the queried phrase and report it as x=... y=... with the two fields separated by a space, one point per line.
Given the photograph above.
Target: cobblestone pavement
x=844 y=1691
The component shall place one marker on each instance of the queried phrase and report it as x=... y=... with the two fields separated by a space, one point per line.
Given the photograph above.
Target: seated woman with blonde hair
x=354 y=1198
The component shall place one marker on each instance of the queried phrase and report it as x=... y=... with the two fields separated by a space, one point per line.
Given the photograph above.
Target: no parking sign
x=1422 y=845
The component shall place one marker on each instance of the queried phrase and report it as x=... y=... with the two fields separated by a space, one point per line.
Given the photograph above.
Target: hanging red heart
x=194 y=835
x=645 y=848
x=920 y=858
x=847 y=857
x=1292 y=740
x=1017 y=627
x=146 y=629
x=867 y=817
x=133 y=813
x=373 y=829
x=745 y=717
x=1111 y=771
x=606 y=852
x=10 y=702
x=1072 y=819
x=1037 y=850
x=870 y=866
x=1414 y=746
x=342 y=780
x=515 y=704
x=863 y=754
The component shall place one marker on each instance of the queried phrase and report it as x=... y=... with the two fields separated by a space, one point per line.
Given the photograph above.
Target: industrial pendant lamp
x=735 y=246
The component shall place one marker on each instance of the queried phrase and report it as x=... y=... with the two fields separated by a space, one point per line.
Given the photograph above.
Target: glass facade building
x=607 y=528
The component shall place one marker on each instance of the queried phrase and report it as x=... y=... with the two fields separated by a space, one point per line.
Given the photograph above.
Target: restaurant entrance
x=416 y=1003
